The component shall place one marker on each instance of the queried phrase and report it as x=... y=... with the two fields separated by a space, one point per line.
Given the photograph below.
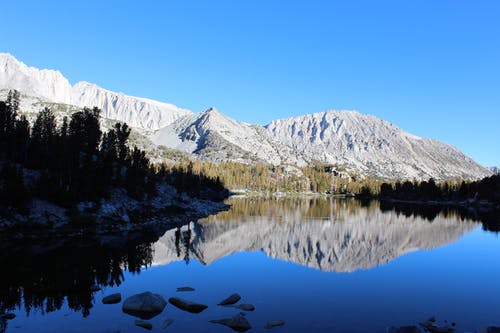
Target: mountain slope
x=214 y=136
x=53 y=86
x=363 y=143
x=372 y=146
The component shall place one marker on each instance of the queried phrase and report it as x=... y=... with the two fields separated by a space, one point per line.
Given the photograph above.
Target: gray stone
x=167 y=323
x=144 y=324
x=274 y=323
x=404 y=329
x=245 y=307
x=186 y=305
x=145 y=305
x=185 y=289
x=112 y=299
x=237 y=323
x=230 y=300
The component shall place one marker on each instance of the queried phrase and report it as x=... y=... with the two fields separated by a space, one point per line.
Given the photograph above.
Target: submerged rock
x=187 y=305
x=274 y=323
x=404 y=329
x=112 y=299
x=230 y=300
x=144 y=324
x=245 y=307
x=145 y=305
x=185 y=289
x=167 y=323
x=238 y=323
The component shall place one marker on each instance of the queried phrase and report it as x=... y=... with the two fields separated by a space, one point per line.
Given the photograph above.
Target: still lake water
x=321 y=265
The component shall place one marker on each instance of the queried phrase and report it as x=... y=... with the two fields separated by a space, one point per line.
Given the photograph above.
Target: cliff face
x=53 y=87
x=364 y=144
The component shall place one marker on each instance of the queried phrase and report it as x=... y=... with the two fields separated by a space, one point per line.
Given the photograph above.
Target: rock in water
x=404 y=329
x=245 y=307
x=185 y=289
x=112 y=299
x=144 y=324
x=274 y=323
x=167 y=323
x=230 y=300
x=145 y=305
x=238 y=323
x=187 y=305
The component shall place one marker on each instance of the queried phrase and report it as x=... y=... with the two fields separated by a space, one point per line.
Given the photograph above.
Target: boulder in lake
x=144 y=324
x=232 y=299
x=274 y=323
x=237 y=323
x=112 y=299
x=185 y=289
x=245 y=307
x=145 y=305
x=186 y=305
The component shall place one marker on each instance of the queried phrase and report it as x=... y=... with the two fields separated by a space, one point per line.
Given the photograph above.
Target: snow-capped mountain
x=214 y=136
x=494 y=169
x=362 y=143
x=53 y=86
x=372 y=146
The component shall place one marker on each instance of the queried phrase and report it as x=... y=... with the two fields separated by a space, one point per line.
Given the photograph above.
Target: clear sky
x=430 y=67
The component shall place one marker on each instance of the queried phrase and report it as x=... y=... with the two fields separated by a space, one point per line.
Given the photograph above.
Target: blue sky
x=430 y=67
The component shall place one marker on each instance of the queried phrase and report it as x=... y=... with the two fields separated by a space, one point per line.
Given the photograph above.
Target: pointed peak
x=211 y=110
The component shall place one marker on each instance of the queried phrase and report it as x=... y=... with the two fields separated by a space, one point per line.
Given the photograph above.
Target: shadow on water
x=323 y=233
x=37 y=277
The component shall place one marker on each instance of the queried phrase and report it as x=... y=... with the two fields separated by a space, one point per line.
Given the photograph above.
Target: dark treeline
x=487 y=189
x=75 y=161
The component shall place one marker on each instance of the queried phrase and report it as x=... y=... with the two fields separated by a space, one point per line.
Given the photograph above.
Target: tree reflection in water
x=45 y=276
x=43 y=281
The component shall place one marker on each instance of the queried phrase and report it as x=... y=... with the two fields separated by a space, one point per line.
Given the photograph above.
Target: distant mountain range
x=362 y=143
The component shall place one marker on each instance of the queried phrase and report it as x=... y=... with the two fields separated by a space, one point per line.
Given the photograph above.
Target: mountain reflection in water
x=323 y=233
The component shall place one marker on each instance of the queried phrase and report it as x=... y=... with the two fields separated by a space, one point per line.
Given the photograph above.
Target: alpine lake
x=314 y=264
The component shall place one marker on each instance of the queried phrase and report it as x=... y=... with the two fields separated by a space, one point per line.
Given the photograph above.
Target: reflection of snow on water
x=348 y=240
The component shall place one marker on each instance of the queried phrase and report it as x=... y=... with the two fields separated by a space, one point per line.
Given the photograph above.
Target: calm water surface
x=321 y=265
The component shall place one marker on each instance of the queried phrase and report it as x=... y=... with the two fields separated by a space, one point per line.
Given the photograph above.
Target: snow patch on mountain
x=53 y=86
x=212 y=135
x=364 y=144
x=372 y=146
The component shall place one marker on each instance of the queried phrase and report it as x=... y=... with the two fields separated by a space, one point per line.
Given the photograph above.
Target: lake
x=319 y=264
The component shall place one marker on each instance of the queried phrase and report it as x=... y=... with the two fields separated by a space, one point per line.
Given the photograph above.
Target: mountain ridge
x=363 y=143
x=53 y=86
